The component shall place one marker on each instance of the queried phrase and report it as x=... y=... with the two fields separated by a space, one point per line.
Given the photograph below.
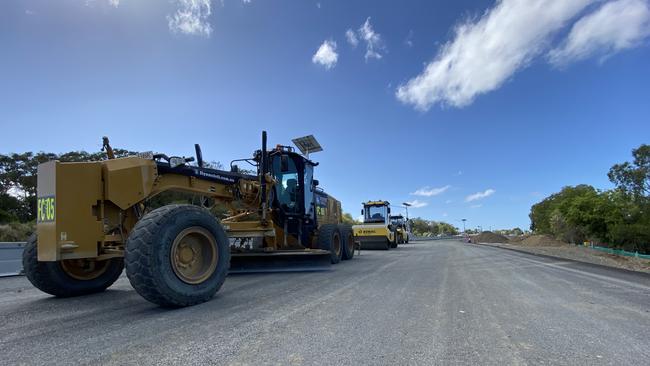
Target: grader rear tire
x=177 y=255
x=329 y=238
x=348 y=241
x=71 y=277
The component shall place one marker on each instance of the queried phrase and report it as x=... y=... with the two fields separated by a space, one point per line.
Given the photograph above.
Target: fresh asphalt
x=426 y=303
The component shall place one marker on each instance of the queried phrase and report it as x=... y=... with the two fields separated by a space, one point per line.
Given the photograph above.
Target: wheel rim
x=194 y=255
x=84 y=269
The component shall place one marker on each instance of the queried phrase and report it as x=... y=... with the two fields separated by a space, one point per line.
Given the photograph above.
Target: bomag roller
x=94 y=219
x=376 y=231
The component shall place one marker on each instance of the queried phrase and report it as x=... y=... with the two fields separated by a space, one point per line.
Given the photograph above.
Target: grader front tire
x=71 y=277
x=177 y=255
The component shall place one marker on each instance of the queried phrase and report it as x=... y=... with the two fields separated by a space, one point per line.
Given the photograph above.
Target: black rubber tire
x=148 y=251
x=388 y=245
x=50 y=277
x=327 y=234
x=393 y=244
x=347 y=241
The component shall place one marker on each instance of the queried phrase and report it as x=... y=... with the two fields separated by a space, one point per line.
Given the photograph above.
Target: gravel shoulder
x=581 y=254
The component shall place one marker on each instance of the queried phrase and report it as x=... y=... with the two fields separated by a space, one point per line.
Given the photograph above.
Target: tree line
x=18 y=180
x=617 y=218
x=422 y=227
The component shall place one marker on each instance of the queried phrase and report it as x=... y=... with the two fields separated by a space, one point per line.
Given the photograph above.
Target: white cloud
x=417 y=204
x=352 y=38
x=374 y=43
x=487 y=51
x=476 y=206
x=428 y=192
x=448 y=201
x=444 y=214
x=365 y=33
x=114 y=3
x=326 y=54
x=615 y=26
x=191 y=18
x=480 y=195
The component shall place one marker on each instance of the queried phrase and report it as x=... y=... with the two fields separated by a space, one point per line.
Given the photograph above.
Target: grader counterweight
x=94 y=220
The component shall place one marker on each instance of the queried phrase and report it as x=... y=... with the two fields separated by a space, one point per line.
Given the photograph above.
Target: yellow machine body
x=376 y=231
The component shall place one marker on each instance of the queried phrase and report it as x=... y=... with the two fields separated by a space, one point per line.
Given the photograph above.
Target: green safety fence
x=620 y=252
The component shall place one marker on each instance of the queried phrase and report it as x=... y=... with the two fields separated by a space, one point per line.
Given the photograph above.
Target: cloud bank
x=487 y=51
x=616 y=26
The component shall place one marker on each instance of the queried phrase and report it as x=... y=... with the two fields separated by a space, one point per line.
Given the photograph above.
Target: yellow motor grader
x=94 y=219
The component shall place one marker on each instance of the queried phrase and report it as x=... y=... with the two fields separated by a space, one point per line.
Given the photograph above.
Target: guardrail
x=11 y=258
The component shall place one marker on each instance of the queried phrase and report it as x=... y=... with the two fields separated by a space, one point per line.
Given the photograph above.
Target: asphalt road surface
x=426 y=303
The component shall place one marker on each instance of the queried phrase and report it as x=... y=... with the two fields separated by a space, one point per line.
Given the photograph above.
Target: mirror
x=361 y=212
x=315 y=182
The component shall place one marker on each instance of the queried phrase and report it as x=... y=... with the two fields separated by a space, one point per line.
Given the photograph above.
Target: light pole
x=463 y=220
x=406 y=206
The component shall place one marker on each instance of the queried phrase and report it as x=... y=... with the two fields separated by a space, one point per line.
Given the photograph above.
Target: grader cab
x=94 y=219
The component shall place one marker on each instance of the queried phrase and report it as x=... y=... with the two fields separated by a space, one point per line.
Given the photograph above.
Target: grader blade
x=280 y=261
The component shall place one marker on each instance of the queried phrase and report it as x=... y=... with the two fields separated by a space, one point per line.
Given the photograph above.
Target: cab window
x=287 y=186
x=375 y=214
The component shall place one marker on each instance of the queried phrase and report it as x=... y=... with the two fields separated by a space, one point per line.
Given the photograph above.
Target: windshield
x=287 y=184
x=375 y=214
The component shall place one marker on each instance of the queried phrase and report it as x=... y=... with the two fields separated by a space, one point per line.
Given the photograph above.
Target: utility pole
x=406 y=206
x=463 y=220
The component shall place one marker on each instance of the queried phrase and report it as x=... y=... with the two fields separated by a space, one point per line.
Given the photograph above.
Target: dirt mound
x=541 y=241
x=489 y=237
x=516 y=238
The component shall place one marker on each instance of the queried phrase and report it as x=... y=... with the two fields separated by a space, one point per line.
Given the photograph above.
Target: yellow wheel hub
x=194 y=255
x=84 y=269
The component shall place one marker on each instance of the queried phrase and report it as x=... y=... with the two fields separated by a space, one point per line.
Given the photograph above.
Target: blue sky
x=481 y=107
